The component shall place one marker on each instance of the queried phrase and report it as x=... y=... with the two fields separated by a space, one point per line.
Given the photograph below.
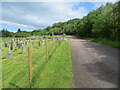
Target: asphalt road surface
x=94 y=65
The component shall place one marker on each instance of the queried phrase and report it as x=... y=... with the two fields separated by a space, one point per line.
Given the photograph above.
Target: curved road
x=94 y=65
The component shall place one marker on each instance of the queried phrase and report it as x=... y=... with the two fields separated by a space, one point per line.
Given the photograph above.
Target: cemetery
x=59 y=44
x=32 y=62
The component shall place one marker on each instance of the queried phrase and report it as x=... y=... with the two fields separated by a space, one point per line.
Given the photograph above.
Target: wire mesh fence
x=17 y=70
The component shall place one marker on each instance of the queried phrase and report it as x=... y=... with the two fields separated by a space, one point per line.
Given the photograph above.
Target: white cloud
x=11 y=24
x=40 y=15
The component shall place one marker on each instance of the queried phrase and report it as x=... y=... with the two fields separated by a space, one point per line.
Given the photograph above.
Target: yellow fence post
x=30 y=64
x=46 y=50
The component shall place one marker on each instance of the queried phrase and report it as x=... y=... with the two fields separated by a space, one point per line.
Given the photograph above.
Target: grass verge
x=103 y=41
x=57 y=72
x=114 y=44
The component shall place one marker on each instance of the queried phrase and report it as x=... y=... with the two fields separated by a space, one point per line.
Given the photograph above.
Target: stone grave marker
x=9 y=55
x=5 y=44
x=18 y=45
x=11 y=46
x=23 y=48
x=52 y=33
x=39 y=43
x=42 y=41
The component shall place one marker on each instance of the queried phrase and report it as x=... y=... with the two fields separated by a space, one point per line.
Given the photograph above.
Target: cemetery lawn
x=6 y=38
x=52 y=73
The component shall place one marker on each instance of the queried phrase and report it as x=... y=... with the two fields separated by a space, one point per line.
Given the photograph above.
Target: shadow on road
x=107 y=67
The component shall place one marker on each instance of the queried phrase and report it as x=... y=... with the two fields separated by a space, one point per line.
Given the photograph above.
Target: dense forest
x=100 y=23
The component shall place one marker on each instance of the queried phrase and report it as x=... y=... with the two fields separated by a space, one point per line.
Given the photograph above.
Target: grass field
x=54 y=72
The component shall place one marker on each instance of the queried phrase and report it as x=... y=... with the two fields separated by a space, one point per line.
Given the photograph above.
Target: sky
x=30 y=16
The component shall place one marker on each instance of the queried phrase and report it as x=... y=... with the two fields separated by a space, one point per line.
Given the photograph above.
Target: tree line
x=100 y=23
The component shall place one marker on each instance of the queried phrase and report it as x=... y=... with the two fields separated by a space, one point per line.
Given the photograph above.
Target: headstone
x=5 y=44
x=11 y=46
x=13 y=39
x=18 y=40
x=14 y=43
x=23 y=48
x=52 y=33
x=18 y=45
x=25 y=43
x=42 y=42
x=8 y=44
x=9 y=55
x=38 y=43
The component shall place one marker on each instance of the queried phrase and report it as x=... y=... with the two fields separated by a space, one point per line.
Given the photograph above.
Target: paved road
x=94 y=65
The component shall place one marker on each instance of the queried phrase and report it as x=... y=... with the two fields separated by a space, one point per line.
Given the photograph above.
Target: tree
x=19 y=30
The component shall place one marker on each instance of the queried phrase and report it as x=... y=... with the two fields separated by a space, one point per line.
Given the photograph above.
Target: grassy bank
x=114 y=44
x=103 y=41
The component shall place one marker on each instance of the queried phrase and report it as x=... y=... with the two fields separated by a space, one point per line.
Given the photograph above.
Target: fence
x=22 y=69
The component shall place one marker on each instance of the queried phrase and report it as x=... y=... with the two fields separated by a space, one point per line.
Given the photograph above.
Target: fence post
x=30 y=64
x=46 y=50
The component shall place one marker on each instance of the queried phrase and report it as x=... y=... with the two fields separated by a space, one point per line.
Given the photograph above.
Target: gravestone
x=52 y=33
x=25 y=43
x=42 y=41
x=14 y=43
x=18 y=40
x=11 y=46
x=5 y=44
x=38 y=43
x=23 y=48
x=13 y=39
x=18 y=45
x=9 y=55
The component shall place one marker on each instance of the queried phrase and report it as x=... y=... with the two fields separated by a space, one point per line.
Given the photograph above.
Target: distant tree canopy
x=103 y=22
x=22 y=34
x=19 y=30
x=38 y=32
x=6 y=33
